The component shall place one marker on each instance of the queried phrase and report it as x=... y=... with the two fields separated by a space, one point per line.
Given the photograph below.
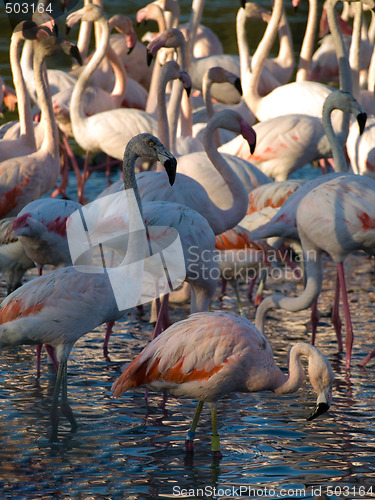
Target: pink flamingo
x=188 y=191
x=25 y=143
x=41 y=229
x=60 y=307
x=343 y=207
x=210 y=355
x=26 y=178
x=240 y=259
x=14 y=261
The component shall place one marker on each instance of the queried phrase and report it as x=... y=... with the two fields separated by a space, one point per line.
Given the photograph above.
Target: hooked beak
x=149 y=58
x=169 y=162
x=238 y=86
x=249 y=134
x=319 y=410
x=74 y=52
x=361 y=119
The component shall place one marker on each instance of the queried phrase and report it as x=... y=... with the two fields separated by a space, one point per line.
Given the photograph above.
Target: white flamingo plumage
x=210 y=355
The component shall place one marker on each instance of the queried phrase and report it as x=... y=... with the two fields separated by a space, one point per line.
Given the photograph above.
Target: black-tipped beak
x=74 y=52
x=149 y=58
x=243 y=2
x=295 y=9
x=131 y=49
x=188 y=91
x=170 y=166
x=67 y=29
x=238 y=86
x=252 y=146
x=319 y=410
x=361 y=119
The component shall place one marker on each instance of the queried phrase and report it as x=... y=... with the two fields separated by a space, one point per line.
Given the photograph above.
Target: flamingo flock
x=207 y=142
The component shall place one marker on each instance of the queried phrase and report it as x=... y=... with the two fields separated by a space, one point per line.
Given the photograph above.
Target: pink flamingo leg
x=84 y=177
x=51 y=353
x=348 y=321
x=369 y=356
x=336 y=321
x=108 y=332
x=251 y=289
x=163 y=320
x=314 y=321
x=38 y=355
x=70 y=155
x=223 y=286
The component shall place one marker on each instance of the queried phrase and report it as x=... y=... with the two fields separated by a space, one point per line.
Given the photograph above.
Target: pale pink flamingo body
x=14 y=261
x=60 y=307
x=41 y=229
x=26 y=178
x=210 y=355
x=25 y=143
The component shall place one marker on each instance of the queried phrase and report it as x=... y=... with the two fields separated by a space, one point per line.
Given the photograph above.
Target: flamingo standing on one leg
x=209 y=355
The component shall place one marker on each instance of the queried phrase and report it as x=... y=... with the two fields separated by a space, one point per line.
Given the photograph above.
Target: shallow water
x=125 y=448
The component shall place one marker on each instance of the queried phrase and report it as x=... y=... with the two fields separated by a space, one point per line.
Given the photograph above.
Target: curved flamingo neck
x=166 y=75
x=226 y=219
x=285 y=58
x=156 y=15
x=314 y=277
x=243 y=47
x=195 y=19
x=27 y=68
x=50 y=142
x=341 y=52
x=206 y=92
x=336 y=148
x=119 y=89
x=308 y=42
x=252 y=97
x=77 y=114
x=296 y=374
x=355 y=48
x=173 y=17
x=23 y=99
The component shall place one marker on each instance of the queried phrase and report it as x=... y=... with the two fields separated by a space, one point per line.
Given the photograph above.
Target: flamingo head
x=249 y=134
x=321 y=378
x=149 y=148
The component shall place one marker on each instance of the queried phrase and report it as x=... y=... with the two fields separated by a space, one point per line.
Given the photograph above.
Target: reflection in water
x=124 y=448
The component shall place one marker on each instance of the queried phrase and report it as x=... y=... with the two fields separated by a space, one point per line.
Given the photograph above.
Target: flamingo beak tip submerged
x=319 y=410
